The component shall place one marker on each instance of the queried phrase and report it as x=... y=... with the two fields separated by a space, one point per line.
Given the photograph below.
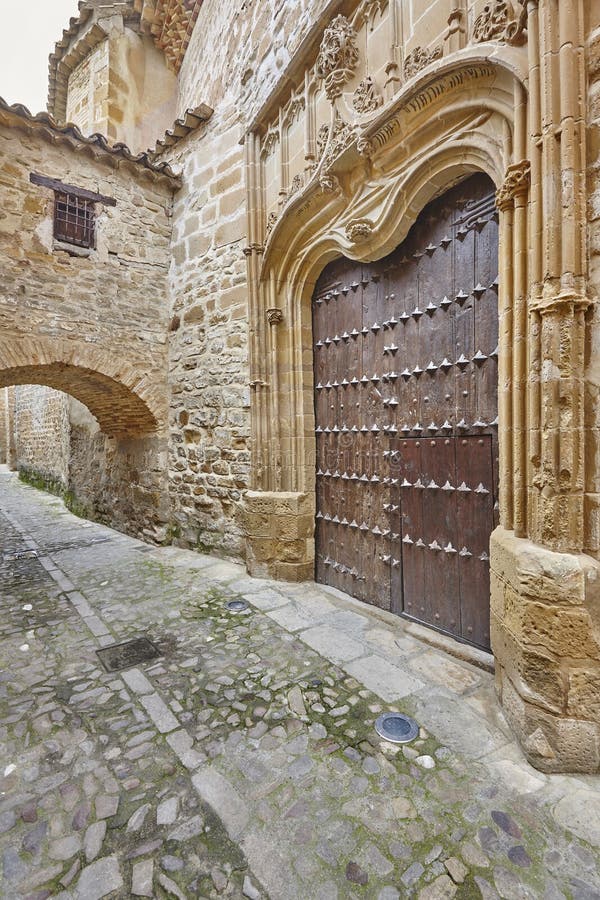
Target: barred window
x=74 y=219
x=74 y=212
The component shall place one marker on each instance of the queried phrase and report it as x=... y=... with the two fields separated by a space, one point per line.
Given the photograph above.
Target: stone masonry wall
x=249 y=48
x=3 y=425
x=117 y=295
x=41 y=427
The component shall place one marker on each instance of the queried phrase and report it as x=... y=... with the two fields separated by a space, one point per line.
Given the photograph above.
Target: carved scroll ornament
x=338 y=56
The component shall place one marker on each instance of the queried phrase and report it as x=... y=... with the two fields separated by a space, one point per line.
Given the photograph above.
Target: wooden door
x=406 y=418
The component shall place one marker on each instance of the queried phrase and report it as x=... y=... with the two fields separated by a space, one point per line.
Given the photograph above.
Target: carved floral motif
x=329 y=183
x=367 y=97
x=516 y=182
x=418 y=58
x=499 y=22
x=338 y=56
x=359 y=230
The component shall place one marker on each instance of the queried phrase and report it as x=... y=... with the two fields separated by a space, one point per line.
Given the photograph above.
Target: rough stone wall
x=41 y=428
x=3 y=425
x=122 y=88
x=87 y=98
x=116 y=294
x=249 y=47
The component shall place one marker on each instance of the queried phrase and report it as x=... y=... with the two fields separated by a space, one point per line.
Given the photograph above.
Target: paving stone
x=159 y=712
x=241 y=691
x=65 y=848
x=249 y=890
x=142 y=877
x=93 y=839
x=99 y=879
x=166 y=812
x=387 y=681
x=443 y=888
x=331 y=643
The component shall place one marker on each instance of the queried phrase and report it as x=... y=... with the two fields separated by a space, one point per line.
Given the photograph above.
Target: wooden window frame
x=74 y=212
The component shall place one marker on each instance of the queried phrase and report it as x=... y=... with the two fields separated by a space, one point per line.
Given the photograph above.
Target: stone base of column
x=545 y=629
x=280 y=535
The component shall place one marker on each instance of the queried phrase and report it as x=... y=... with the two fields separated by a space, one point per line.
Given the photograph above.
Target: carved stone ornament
x=322 y=138
x=359 y=230
x=329 y=183
x=338 y=56
x=499 y=21
x=274 y=316
x=342 y=135
x=516 y=182
x=367 y=97
x=296 y=185
x=271 y=222
x=418 y=58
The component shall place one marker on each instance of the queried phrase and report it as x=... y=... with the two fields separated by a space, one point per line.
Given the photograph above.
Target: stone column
x=545 y=601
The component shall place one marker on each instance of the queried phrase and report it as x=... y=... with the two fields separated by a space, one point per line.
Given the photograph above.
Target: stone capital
x=516 y=183
x=274 y=315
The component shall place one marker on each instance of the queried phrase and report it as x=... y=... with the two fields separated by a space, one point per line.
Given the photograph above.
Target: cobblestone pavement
x=243 y=762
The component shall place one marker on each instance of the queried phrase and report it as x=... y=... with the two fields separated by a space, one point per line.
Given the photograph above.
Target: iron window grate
x=74 y=219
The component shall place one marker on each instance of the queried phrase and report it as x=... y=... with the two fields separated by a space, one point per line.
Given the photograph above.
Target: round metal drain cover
x=237 y=605
x=397 y=728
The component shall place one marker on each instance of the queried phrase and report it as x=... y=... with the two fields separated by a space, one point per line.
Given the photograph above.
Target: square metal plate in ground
x=131 y=653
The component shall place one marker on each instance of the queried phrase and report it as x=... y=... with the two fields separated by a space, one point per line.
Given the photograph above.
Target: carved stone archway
x=469 y=111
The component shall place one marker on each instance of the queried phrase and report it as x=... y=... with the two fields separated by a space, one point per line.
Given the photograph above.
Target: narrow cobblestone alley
x=243 y=761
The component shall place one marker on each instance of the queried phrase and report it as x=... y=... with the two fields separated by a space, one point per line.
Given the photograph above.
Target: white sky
x=28 y=31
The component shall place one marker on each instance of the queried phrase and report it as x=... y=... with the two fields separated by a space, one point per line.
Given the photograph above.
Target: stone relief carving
x=359 y=230
x=367 y=97
x=342 y=135
x=322 y=138
x=418 y=58
x=269 y=141
x=296 y=185
x=329 y=183
x=500 y=22
x=338 y=56
x=516 y=182
x=274 y=315
x=271 y=222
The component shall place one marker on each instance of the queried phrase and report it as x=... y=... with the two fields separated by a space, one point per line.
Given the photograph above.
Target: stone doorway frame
x=470 y=112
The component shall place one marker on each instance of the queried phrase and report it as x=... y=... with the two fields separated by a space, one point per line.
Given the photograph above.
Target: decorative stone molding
x=516 y=182
x=359 y=230
x=365 y=147
x=500 y=22
x=338 y=56
x=367 y=97
x=274 y=315
x=269 y=141
x=418 y=58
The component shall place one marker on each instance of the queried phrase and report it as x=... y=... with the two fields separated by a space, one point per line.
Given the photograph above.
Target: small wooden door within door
x=406 y=376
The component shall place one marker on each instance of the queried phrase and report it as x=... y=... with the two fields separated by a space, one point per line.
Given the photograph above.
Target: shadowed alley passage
x=243 y=762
